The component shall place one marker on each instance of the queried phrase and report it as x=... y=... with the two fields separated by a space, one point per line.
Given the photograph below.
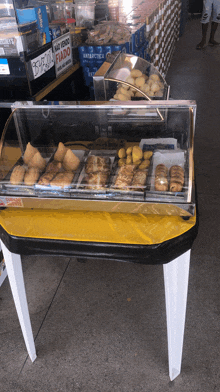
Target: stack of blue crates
x=92 y=56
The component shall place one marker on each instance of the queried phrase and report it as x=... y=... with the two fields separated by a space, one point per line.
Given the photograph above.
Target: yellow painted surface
x=89 y=226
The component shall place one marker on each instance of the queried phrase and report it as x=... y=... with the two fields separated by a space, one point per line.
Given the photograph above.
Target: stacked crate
x=162 y=29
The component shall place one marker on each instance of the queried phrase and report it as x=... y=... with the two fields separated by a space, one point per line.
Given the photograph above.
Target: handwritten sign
x=42 y=63
x=62 y=53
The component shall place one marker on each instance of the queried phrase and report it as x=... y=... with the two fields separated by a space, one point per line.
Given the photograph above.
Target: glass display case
x=100 y=156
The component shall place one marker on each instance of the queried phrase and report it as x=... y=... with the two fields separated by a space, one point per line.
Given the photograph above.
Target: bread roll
x=154 y=77
x=70 y=161
x=139 y=82
x=17 y=175
x=30 y=151
x=135 y=73
x=37 y=161
x=60 y=153
x=130 y=80
x=31 y=176
x=161 y=181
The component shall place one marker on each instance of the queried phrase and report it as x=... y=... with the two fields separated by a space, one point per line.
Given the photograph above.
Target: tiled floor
x=89 y=337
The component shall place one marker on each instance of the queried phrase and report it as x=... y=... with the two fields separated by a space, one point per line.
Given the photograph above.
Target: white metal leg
x=15 y=275
x=176 y=276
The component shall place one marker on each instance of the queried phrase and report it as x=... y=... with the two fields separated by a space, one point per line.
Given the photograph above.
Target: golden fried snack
x=129 y=150
x=137 y=153
x=51 y=170
x=122 y=162
x=154 y=77
x=97 y=181
x=37 y=161
x=62 y=179
x=144 y=164
x=70 y=161
x=122 y=153
x=60 y=153
x=30 y=151
x=97 y=164
x=140 y=81
x=129 y=160
x=17 y=175
x=148 y=154
x=135 y=73
x=31 y=176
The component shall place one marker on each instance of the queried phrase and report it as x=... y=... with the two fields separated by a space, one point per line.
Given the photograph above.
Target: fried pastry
x=176 y=178
x=62 y=179
x=31 y=176
x=17 y=175
x=70 y=161
x=37 y=161
x=30 y=151
x=60 y=152
x=161 y=180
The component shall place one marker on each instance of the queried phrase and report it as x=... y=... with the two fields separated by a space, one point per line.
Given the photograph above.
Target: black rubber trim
x=145 y=254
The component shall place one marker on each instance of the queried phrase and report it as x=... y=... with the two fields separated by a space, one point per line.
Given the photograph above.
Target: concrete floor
x=89 y=336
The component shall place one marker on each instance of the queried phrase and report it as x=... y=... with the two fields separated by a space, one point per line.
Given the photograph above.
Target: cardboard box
x=38 y=14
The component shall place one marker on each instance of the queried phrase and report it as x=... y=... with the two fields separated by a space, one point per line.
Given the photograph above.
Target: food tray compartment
x=58 y=190
x=86 y=184
x=169 y=159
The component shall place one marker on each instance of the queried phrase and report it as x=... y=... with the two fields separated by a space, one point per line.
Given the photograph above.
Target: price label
x=42 y=63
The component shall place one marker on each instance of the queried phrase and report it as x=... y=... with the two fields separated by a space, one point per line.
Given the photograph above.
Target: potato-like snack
x=70 y=161
x=144 y=164
x=129 y=160
x=123 y=97
x=130 y=80
x=154 y=77
x=122 y=153
x=139 y=95
x=137 y=163
x=135 y=73
x=148 y=154
x=145 y=88
x=129 y=150
x=17 y=175
x=31 y=176
x=139 y=82
x=60 y=152
x=30 y=151
x=122 y=162
x=155 y=87
x=37 y=161
x=137 y=153
x=123 y=91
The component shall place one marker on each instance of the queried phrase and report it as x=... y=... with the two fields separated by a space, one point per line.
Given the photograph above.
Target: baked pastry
x=30 y=151
x=161 y=180
x=60 y=152
x=70 y=161
x=31 y=176
x=96 y=163
x=62 y=179
x=176 y=178
x=17 y=175
x=139 y=180
x=97 y=180
x=37 y=161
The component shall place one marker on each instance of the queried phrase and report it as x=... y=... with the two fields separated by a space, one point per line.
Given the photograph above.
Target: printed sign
x=4 y=68
x=62 y=53
x=11 y=202
x=42 y=63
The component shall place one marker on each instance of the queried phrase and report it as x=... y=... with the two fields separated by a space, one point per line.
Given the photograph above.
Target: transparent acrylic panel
x=101 y=152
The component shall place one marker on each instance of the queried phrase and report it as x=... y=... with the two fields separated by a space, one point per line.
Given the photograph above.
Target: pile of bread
x=175 y=181
x=133 y=171
x=152 y=86
x=59 y=172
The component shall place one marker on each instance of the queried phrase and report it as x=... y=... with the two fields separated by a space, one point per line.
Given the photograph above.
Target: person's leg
x=212 y=41
x=204 y=34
